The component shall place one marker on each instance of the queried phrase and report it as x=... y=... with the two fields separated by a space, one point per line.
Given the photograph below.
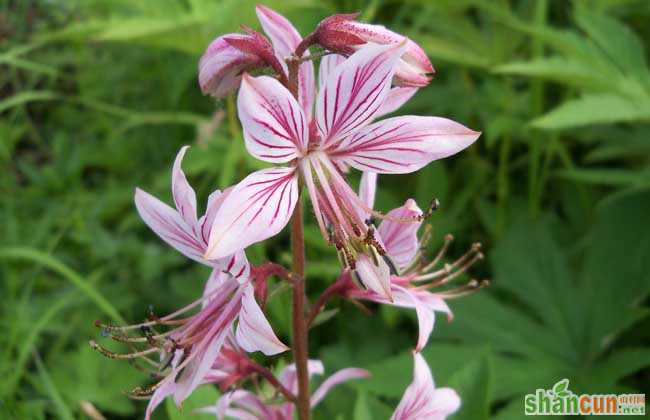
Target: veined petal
x=337 y=378
x=257 y=208
x=327 y=66
x=275 y=128
x=354 y=92
x=368 y=188
x=254 y=331
x=202 y=356
x=401 y=239
x=395 y=98
x=183 y=193
x=375 y=277
x=158 y=396
x=285 y=38
x=169 y=225
x=235 y=266
x=214 y=202
x=403 y=144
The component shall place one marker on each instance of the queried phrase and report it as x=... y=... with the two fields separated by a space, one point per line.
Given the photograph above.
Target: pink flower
x=245 y=405
x=189 y=350
x=180 y=227
x=408 y=273
x=344 y=35
x=191 y=346
x=340 y=136
x=422 y=401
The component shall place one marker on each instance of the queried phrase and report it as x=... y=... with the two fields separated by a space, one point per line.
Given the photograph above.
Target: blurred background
x=97 y=96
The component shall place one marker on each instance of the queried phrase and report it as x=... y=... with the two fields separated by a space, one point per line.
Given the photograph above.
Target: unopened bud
x=227 y=57
x=344 y=35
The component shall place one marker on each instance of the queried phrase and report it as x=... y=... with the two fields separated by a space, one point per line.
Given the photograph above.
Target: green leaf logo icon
x=560 y=389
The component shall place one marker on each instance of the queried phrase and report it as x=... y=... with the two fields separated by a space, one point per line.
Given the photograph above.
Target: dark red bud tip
x=98 y=323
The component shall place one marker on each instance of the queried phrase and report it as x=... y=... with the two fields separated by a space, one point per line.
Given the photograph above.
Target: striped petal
x=368 y=188
x=169 y=225
x=275 y=127
x=183 y=193
x=396 y=97
x=403 y=144
x=256 y=209
x=375 y=277
x=254 y=333
x=400 y=238
x=327 y=66
x=355 y=91
x=285 y=39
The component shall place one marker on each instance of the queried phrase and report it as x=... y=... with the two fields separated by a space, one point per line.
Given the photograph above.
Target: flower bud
x=344 y=35
x=228 y=56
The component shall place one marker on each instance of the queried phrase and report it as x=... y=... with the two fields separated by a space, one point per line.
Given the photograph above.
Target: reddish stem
x=333 y=290
x=300 y=337
x=270 y=377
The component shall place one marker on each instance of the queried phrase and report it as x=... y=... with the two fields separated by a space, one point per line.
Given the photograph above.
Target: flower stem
x=300 y=337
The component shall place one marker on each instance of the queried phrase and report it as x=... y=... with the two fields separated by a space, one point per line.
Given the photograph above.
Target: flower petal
x=221 y=65
x=368 y=188
x=327 y=66
x=289 y=376
x=285 y=39
x=214 y=202
x=354 y=92
x=275 y=128
x=403 y=144
x=254 y=331
x=257 y=208
x=417 y=399
x=202 y=356
x=158 y=396
x=375 y=277
x=426 y=316
x=169 y=225
x=400 y=238
x=396 y=97
x=183 y=193
x=339 y=377
x=235 y=267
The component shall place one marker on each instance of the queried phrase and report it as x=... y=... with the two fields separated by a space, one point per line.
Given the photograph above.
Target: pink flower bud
x=344 y=35
x=228 y=56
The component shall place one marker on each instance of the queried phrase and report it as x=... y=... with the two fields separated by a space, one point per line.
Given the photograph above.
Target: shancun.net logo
x=561 y=401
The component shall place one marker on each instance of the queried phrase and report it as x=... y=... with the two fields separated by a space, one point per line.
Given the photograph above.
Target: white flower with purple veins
x=245 y=405
x=422 y=401
x=341 y=135
x=411 y=278
x=189 y=350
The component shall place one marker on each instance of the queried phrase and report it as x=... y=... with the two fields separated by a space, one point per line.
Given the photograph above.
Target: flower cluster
x=314 y=132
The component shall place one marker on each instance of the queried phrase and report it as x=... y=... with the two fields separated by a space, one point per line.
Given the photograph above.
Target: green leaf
x=611 y=177
x=474 y=385
x=595 y=109
x=361 y=409
x=26 y=97
x=203 y=396
x=62 y=409
x=560 y=69
x=67 y=273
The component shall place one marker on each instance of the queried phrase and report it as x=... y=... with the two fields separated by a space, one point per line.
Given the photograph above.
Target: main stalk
x=300 y=333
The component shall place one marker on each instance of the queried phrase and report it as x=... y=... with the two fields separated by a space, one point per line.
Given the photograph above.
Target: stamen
x=446 y=274
x=112 y=355
x=471 y=287
x=441 y=253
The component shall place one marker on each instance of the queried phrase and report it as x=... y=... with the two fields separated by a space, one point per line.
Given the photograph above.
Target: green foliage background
x=98 y=95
